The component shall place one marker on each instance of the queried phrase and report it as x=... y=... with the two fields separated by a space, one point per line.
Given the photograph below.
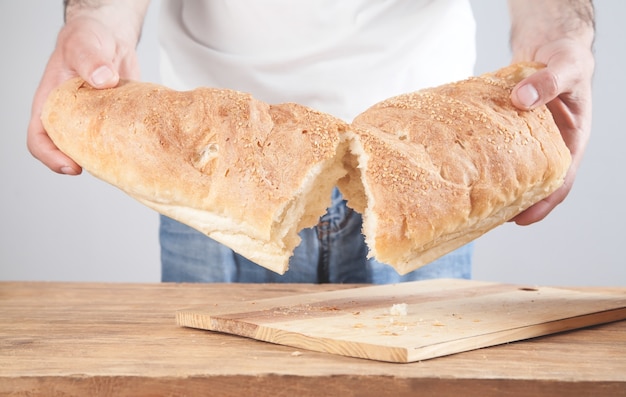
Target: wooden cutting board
x=410 y=321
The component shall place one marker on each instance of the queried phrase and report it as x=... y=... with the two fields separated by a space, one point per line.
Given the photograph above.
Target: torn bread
x=247 y=174
x=430 y=171
x=433 y=170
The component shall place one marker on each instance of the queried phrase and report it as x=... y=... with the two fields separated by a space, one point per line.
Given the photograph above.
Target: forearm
x=127 y=14
x=537 y=22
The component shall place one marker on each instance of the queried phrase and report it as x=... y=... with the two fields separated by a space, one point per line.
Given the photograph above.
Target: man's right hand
x=97 y=44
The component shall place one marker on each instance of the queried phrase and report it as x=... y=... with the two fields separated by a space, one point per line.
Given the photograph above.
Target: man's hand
x=91 y=46
x=558 y=34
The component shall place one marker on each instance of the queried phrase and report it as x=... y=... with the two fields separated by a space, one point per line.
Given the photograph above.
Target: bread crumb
x=398 y=309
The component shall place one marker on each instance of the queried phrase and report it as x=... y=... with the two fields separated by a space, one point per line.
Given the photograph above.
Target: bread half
x=247 y=174
x=433 y=170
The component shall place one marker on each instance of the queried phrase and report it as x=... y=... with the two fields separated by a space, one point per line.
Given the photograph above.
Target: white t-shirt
x=337 y=56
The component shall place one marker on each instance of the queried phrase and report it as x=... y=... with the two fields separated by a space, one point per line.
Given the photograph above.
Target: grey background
x=57 y=227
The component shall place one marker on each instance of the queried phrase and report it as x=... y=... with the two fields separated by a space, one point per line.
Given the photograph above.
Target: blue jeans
x=334 y=251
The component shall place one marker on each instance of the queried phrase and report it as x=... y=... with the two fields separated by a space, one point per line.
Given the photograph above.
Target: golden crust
x=430 y=170
x=447 y=164
x=220 y=152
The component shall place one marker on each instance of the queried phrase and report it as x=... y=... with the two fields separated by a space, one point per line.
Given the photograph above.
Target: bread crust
x=442 y=166
x=233 y=167
x=429 y=170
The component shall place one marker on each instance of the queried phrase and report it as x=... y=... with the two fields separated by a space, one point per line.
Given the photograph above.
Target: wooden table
x=85 y=339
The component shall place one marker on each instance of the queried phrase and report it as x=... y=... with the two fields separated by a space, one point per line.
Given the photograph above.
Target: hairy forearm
x=536 y=22
x=70 y=5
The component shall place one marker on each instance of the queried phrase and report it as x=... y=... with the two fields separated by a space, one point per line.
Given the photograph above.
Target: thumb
x=537 y=89
x=103 y=76
x=568 y=72
x=92 y=54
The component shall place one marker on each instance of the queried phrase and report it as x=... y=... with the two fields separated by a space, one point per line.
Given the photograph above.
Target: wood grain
x=92 y=339
x=444 y=317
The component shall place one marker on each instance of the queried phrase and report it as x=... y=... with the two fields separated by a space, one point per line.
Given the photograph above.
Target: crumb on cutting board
x=398 y=309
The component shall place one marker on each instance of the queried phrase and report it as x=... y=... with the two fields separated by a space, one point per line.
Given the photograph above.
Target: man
x=337 y=57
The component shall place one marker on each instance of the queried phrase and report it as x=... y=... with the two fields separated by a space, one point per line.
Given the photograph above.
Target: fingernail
x=67 y=170
x=527 y=95
x=101 y=75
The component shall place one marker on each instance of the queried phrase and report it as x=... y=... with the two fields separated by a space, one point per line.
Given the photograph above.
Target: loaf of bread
x=248 y=174
x=433 y=170
x=429 y=170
